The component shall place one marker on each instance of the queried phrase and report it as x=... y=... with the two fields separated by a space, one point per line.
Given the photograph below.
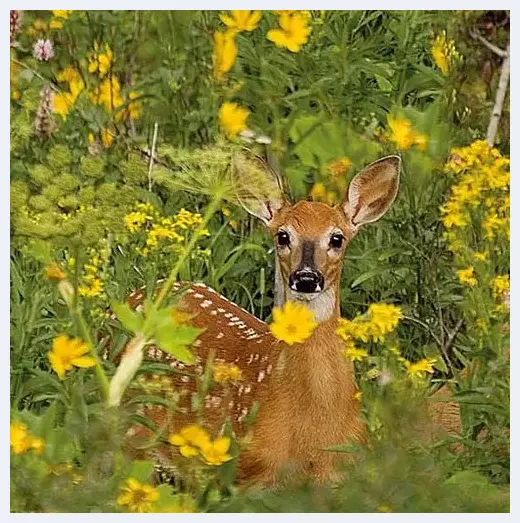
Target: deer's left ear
x=372 y=191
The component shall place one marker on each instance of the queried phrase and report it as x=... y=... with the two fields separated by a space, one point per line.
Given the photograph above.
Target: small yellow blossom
x=466 y=276
x=318 y=192
x=19 y=438
x=241 y=20
x=100 y=62
x=137 y=496
x=232 y=118
x=383 y=319
x=37 y=445
x=135 y=220
x=403 y=134
x=58 y=16
x=190 y=440
x=54 y=272
x=63 y=14
x=293 y=323
x=224 y=53
x=67 y=353
x=340 y=167
x=62 y=104
x=21 y=441
x=293 y=33
x=421 y=367
x=358 y=395
x=226 y=372
x=108 y=94
x=107 y=137
x=500 y=286
x=355 y=354
x=216 y=452
x=481 y=256
x=444 y=53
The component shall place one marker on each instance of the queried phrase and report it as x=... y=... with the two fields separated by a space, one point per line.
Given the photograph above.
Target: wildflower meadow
x=141 y=144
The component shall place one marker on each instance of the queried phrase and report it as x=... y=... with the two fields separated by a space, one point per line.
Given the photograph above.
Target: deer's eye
x=336 y=241
x=283 y=239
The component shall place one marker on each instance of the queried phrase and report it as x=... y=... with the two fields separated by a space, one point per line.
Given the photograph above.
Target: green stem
x=165 y=289
x=100 y=372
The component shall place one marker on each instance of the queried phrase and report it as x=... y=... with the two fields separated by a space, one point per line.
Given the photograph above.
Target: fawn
x=306 y=392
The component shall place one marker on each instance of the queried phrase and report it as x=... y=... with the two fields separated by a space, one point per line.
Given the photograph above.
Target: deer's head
x=311 y=237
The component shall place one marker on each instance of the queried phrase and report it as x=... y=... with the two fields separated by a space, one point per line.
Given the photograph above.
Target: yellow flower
x=107 y=137
x=383 y=319
x=137 y=497
x=37 y=445
x=216 y=452
x=62 y=103
x=54 y=272
x=358 y=395
x=293 y=33
x=21 y=441
x=338 y=168
x=15 y=95
x=190 y=440
x=294 y=323
x=63 y=14
x=444 y=53
x=500 y=286
x=481 y=256
x=224 y=53
x=100 y=62
x=356 y=329
x=318 y=192
x=135 y=220
x=93 y=289
x=242 y=20
x=403 y=135
x=134 y=108
x=466 y=276
x=67 y=353
x=226 y=372
x=419 y=368
x=355 y=354
x=108 y=94
x=19 y=438
x=233 y=118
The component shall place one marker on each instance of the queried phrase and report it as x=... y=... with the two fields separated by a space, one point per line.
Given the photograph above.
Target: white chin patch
x=321 y=303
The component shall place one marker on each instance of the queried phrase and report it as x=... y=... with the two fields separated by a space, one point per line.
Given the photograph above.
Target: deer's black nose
x=306 y=281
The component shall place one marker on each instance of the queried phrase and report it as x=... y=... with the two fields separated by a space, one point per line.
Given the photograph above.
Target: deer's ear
x=372 y=191
x=260 y=189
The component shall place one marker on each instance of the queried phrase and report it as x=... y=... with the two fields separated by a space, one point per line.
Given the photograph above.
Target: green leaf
x=141 y=470
x=130 y=319
x=174 y=339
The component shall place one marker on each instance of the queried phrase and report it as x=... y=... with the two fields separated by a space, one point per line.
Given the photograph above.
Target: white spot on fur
x=261 y=376
x=198 y=295
x=206 y=303
x=220 y=335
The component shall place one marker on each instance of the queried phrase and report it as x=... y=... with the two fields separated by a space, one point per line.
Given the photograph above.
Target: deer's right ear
x=259 y=188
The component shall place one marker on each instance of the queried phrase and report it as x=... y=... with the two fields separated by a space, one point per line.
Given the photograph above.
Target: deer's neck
x=325 y=305
x=316 y=370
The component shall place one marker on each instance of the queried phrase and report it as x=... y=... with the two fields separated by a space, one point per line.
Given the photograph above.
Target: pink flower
x=43 y=50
